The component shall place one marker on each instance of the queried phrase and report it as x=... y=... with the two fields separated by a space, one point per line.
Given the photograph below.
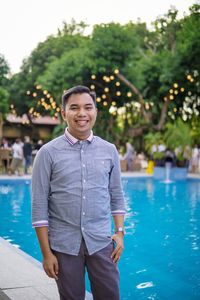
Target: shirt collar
x=72 y=140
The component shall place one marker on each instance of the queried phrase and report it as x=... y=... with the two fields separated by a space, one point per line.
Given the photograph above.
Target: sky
x=25 y=23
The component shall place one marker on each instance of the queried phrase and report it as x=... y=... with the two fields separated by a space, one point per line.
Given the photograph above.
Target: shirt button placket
x=83 y=170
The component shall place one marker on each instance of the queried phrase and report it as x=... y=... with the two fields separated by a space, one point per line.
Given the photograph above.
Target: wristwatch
x=120 y=229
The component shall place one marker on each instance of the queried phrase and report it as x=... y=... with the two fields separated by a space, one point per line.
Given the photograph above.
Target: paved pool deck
x=22 y=276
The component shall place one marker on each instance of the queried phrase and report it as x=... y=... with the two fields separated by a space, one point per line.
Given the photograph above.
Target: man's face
x=80 y=115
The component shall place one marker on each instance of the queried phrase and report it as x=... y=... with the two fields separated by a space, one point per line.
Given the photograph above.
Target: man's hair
x=79 y=89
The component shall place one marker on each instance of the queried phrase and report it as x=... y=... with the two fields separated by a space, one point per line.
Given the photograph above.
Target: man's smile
x=82 y=122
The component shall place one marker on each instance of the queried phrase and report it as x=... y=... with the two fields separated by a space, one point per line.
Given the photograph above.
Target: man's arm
x=118 y=237
x=40 y=192
x=117 y=205
x=50 y=263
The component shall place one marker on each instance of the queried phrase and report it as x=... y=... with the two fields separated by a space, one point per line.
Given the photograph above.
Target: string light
x=118 y=93
x=28 y=92
x=34 y=94
x=98 y=99
x=93 y=76
x=117 y=83
x=103 y=96
x=129 y=94
x=105 y=103
x=31 y=110
x=182 y=89
x=175 y=85
x=116 y=71
x=171 y=97
x=92 y=87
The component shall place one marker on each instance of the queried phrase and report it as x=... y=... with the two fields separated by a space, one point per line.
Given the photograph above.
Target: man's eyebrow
x=76 y=105
x=73 y=104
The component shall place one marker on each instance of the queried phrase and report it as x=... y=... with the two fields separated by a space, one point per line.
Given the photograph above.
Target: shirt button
x=83 y=228
x=83 y=197
x=82 y=151
x=83 y=213
x=84 y=180
x=83 y=165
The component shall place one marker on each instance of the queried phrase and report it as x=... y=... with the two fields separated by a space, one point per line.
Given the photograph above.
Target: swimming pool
x=161 y=259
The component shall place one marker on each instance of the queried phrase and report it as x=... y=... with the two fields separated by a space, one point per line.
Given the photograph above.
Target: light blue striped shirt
x=76 y=185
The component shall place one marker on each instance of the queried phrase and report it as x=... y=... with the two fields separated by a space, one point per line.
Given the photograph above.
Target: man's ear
x=63 y=113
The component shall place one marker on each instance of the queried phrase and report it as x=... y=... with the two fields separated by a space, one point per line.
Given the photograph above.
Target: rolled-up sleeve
x=115 y=187
x=41 y=188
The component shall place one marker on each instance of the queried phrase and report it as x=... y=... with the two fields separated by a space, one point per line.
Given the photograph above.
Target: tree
x=4 y=95
x=143 y=78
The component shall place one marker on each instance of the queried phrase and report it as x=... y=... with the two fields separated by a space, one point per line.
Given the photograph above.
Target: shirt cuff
x=42 y=223
x=118 y=212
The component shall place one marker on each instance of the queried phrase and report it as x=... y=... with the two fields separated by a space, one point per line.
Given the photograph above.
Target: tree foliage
x=143 y=78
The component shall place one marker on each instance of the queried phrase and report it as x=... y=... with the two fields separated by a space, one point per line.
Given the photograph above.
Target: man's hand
x=118 y=238
x=50 y=265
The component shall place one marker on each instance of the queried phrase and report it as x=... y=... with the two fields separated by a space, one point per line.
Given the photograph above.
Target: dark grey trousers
x=102 y=272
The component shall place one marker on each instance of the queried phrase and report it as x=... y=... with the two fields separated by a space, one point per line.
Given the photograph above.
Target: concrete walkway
x=22 y=277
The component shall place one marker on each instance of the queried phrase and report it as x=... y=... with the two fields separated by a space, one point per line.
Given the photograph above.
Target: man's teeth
x=81 y=122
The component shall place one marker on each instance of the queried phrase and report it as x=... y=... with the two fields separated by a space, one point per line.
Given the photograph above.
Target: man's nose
x=81 y=112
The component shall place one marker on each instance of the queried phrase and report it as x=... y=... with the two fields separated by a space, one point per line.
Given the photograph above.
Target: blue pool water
x=161 y=259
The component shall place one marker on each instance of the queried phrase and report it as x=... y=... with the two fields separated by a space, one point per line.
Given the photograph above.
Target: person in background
x=39 y=145
x=76 y=186
x=27 y=151
x=129 y=156
x=17 y=157
x=5 y=145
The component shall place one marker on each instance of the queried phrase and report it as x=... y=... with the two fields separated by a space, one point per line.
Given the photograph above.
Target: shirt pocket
x=98 y=170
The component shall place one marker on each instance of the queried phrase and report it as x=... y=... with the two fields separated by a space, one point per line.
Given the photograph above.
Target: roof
x=42 y=120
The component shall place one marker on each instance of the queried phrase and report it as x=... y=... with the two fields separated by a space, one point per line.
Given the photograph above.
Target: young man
x=76 y=185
